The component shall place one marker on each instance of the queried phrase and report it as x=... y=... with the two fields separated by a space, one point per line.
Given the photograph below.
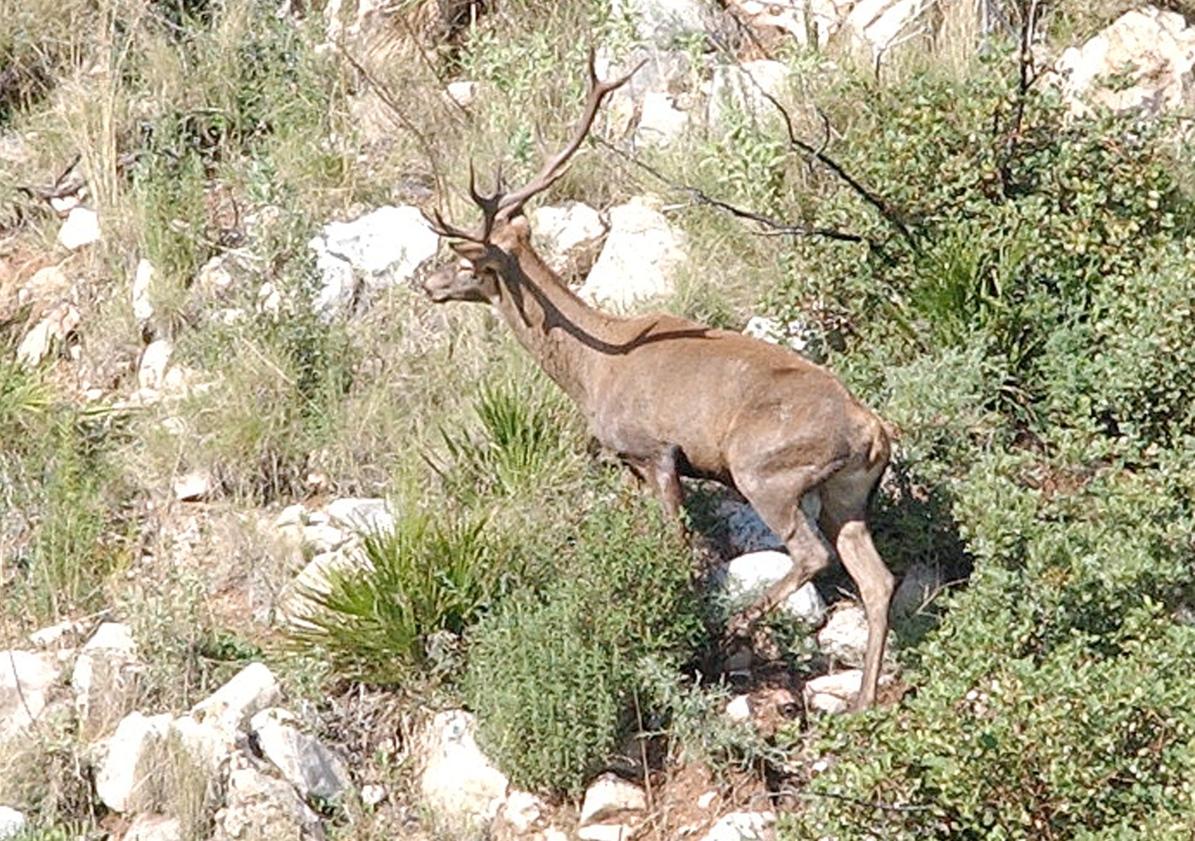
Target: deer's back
x=714 y=391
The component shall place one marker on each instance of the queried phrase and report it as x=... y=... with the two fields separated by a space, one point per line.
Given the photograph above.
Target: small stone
x=303 y=760
x=610 y=796
x=154 y=828
x=739 y=708
x=463 y=93
x=151 y=373
x=372 y=794
x=82 y=227
x=606 y=832
x=214 y=278
x=706 y=800
x=62 y=634
x=251 y=690
x=833 y=693
x=748 y=577
x=56 y=327
x=194 y=486
x=12 y=823
x=143 y=308
x=918 y=586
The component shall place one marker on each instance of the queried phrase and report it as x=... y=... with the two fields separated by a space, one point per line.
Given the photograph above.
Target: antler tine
x=441 y=228
x=490 y=205
x=556 y=166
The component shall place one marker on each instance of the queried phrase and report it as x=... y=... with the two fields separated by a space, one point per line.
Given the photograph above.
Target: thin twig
x=774 y=227
x=846 y=798
x=383 y=93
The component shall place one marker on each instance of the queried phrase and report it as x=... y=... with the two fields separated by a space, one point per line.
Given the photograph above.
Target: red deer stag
x=674 y=398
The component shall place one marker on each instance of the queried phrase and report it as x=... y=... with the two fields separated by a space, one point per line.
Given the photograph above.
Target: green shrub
x=434 y=572
x=553 y=674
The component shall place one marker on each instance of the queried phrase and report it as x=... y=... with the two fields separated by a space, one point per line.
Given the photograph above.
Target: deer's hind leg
x=661 y=471
x=844 y=511
x=777 y=499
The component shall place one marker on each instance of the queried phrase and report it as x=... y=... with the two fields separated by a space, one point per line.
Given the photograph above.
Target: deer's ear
x=471 y=251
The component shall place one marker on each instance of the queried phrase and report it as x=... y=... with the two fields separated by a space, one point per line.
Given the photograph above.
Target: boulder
x=207 y=744
x=214 y=279
x=523 y=811
x=664 y=72
x=81 y=228
x=663 y=22
x=661 y=120
x=303 y=760
x=844 y=636
x=460 y=785
x=143 y=308
x=128 y=778
x=568 y=237
x=385 y=246
x=56 y=327
x=64 y=634
x=1143 y=62
x=880 y=24
x=743 y=826
x=104 y=679
x=361 y=515
x=26 y=681
x=250 y=690
x=258 y=807
x=640 y=261
x=745 y=531
x=744 y=89
x=12 y=823
x=154 y=828
x=748 y=576
x=805 y=22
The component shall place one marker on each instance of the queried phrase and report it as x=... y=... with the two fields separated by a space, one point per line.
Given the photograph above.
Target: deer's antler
x=503 y=206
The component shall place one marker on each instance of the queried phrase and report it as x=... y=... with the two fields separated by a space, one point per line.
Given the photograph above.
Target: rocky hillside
x=287 y=551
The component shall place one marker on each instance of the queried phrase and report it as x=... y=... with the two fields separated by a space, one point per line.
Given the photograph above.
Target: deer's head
x=490 y=249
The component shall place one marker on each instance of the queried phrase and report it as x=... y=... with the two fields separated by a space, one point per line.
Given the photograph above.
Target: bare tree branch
x=819 y=155
x=774 y=227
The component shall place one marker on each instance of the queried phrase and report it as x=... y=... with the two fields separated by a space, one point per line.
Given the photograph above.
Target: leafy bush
x=553 y=674
x=432 y=573
x=1032 y=345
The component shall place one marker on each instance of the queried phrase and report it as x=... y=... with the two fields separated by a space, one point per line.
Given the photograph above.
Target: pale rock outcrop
x=54 y=328
x=641 y=260
x=128 y=779
x=805 y=22
x=194 y=486
x=1144 y=61
x=12 y=822
x=664 y=22
x=140 y=293
x=834 y=693
x=104 y=679
x=258 y=807
x=567 y=236
x=155 y=359
x=361 y=515
x=460 y=785
x=249 y=691
x=844 y=636
x=303 y=760
x=81 y=228
x=744 y=89
x=661 y=120
x=882 y=24
x=384 y=247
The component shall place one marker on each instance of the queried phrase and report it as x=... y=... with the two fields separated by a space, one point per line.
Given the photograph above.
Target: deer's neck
x=566 y=336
